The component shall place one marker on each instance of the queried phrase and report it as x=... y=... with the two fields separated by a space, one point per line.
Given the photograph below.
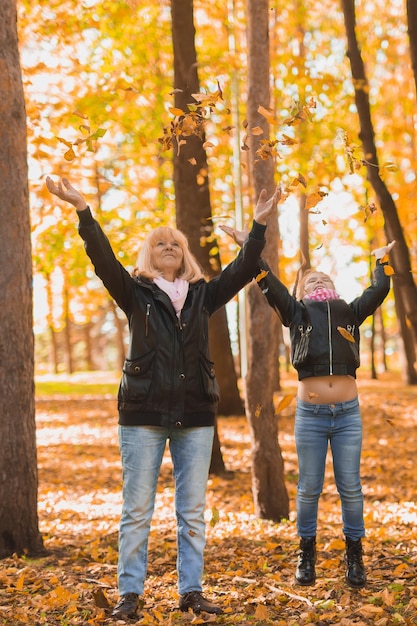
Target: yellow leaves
x=89 y=138
x=346 y=334
x=215 y=517
x=388 y=270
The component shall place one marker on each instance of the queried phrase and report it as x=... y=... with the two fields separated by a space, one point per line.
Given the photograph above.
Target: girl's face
x=314 y=280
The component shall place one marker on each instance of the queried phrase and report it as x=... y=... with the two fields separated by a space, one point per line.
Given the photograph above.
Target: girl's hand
x=238 y=236
x=264 y=208
x=65 y=191
x=379 y=253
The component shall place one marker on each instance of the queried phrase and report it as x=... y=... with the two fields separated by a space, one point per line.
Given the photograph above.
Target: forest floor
x=249 y=562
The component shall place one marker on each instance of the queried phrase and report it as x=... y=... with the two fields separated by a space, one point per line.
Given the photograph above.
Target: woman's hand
x=379 y=253
x=264 y=208
x=65 y=191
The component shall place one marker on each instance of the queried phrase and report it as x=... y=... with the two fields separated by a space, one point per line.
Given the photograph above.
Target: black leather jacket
x=324 y=335
x=168 y=377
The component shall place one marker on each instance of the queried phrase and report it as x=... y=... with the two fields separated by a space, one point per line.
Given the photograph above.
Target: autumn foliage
x=249 y=562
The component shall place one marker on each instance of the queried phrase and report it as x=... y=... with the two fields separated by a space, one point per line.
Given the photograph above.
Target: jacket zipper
x=330 y=339
x=148 y=312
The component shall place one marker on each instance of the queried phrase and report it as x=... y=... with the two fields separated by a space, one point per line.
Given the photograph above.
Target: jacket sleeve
x=277 y=294
x=114 y=276
x=239 y=272
x=367 y=303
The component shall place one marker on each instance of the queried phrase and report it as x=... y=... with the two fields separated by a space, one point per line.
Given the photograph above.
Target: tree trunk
x=19 y=530
x=193 y=209
x=268 y=485
x=403 y=281
x=412 y=36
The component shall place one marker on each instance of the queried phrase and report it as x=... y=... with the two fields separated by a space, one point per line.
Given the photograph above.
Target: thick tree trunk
x=19 y=531
x=268 y=484
x=403 y=281
x=192 y=198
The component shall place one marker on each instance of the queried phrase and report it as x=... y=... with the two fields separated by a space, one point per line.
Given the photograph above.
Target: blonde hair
x=190 y=269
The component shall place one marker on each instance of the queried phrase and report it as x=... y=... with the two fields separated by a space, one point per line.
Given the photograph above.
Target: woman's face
x=167 y=256
x=314 y=280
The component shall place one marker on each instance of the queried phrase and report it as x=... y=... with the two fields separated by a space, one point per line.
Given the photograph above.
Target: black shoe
x=355 y=572
x=126 y=607
x=197 y=602
x=305 y=574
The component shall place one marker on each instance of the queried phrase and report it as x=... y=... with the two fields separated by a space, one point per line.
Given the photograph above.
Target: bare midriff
x=327 y=389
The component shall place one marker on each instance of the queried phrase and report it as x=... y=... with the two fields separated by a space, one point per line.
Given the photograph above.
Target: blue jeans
x=315 y=426
x=142 y=449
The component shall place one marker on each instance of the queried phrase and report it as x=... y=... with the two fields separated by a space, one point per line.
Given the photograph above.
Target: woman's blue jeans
x=317 y=425
x=142 y=449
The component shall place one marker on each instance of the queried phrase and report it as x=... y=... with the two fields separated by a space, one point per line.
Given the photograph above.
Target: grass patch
x=80 y=384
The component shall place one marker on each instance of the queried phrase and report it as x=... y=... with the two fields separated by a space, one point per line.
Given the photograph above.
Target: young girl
x=324 y=332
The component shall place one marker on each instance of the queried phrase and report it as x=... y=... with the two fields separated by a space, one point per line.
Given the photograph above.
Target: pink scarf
x=322 y=294
x=177 y=291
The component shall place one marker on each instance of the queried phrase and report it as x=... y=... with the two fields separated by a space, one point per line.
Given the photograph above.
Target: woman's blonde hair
x=190 y=269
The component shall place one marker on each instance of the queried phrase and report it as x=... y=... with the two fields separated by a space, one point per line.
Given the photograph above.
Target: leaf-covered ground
x=249 y=562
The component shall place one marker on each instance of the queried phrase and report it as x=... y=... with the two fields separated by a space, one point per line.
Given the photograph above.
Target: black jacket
x=324 y=335
x=168 y=377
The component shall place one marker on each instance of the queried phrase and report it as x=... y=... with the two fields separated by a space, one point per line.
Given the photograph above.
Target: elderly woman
x=168 y=390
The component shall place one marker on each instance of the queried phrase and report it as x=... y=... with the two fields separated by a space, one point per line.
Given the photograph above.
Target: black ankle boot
x=355 y=572
x=305 y=574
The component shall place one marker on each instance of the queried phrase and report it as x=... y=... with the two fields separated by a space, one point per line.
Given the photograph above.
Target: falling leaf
x=258 y=410
x=267 y=114
x=388 y=270
x=257 y=130
x=284 y=402
x=262 y=274
x=346 y=334
x=69 y=155
x=215 y=516
x=175 y=111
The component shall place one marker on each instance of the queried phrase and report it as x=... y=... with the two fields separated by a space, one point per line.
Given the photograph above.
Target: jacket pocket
x=136 y=378
x=301 y=345
x=209 y=386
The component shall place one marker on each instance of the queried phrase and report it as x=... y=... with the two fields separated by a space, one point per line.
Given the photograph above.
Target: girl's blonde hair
x=299 y=292
x=190 y=269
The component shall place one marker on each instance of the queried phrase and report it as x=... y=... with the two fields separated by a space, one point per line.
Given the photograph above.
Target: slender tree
x=19 y=530
x=268 y=484
x=403 y=283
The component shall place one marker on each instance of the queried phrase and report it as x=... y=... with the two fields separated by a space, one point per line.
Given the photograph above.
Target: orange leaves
x=346 y=334
x=193 y=122
x=284 y=403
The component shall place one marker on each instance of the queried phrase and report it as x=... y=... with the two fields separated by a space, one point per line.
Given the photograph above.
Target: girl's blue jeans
x=317 y=426
x=142 y=449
